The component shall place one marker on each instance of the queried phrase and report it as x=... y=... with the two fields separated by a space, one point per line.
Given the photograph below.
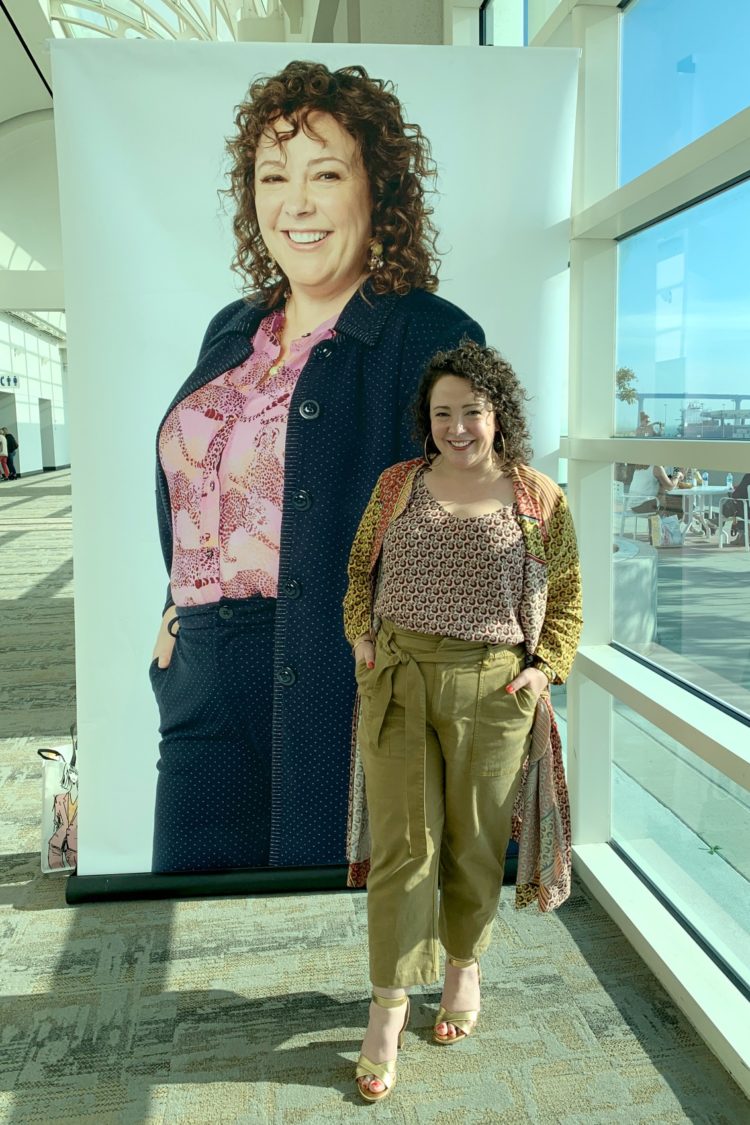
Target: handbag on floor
x=665 y=531
x=60 y=807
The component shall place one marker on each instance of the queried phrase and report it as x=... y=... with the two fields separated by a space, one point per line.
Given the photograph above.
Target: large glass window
x=684 y=71
x=685 y=826
x=681 y=574
x=683 y=330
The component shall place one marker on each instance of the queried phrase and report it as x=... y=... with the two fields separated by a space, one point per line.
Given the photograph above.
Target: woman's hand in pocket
x=364 y=652
x=164 y=640
x=531 y=678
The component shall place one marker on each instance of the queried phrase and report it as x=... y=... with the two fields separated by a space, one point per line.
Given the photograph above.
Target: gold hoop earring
x=501 y=435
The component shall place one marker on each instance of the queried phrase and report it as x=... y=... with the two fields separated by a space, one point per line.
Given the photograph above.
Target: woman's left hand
x=530 y=678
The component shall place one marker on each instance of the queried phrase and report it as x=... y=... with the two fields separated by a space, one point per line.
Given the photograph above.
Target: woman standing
x=464 y=603
x=266 y=457
x=4 y=456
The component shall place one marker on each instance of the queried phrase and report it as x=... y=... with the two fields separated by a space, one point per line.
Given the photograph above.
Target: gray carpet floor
x=251 y=1010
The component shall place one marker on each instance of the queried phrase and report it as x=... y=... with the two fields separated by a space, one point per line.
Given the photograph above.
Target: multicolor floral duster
x=550 y=613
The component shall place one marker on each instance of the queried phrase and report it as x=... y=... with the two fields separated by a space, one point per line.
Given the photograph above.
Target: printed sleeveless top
x=452 y=576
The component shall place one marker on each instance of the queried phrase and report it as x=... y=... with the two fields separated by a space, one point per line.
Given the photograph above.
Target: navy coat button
x=324 y=351
x=226 y=613
x=285 y=676
x=309 y=409
x=301 y=500
x=292 y=588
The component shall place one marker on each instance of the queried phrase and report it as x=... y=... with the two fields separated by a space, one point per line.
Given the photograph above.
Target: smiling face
x=312 y=199
x=462 y=423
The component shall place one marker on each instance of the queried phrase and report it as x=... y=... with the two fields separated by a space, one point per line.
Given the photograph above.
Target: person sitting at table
x=648 y=487
x=735 y=507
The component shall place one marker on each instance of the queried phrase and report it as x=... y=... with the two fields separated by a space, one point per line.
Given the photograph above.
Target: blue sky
x=684 y=284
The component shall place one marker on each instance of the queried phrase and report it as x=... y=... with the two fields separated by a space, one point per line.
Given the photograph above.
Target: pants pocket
x=156 y=674
x=364 y=677
x=503 y=721
x=382 y=713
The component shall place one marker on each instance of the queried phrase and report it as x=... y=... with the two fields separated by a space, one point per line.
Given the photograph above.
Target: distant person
x=645 y=426
x=734 y=507
x=4 y=456
x=11 y=454
x=648 y=485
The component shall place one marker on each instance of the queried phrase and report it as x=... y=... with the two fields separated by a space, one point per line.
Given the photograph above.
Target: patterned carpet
x=251 y=1010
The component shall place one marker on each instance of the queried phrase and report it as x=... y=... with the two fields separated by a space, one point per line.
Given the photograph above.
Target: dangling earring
x=499 y=434
x=424 y=447
x=375 y=260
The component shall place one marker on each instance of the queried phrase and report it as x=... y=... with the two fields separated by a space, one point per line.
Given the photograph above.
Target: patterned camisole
x=452 y=576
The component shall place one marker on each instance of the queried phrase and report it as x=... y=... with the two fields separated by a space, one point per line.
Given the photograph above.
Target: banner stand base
x=205 y=884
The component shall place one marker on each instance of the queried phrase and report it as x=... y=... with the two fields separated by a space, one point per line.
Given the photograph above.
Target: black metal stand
x=220 y=884
x=205 y=884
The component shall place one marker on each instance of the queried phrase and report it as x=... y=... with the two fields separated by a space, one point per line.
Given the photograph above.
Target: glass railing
x=685 y=827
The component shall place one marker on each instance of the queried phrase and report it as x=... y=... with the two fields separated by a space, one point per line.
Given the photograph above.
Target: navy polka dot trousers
x=213 y=793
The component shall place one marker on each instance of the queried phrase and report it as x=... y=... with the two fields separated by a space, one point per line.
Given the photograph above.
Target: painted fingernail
x=510 y=688
x=370 y=664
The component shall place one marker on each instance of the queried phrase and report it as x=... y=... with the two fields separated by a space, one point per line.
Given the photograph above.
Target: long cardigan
x=550 y=613
x=348 y=418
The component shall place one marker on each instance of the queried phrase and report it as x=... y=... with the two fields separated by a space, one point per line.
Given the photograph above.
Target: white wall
x=30 y=216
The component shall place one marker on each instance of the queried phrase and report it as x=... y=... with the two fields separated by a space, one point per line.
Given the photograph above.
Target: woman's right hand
x=164 y=640
x=364 y=652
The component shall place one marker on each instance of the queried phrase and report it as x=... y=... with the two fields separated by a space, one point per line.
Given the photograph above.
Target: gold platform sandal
x=464 y=1022
x=385 y=1071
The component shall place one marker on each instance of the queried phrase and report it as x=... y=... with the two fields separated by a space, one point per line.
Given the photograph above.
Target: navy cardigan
x=349 y=418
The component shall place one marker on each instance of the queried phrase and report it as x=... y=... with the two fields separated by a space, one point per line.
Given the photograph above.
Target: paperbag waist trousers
x=443 y=746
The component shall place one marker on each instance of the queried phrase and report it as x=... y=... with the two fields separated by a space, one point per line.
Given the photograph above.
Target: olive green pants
x=443 y=745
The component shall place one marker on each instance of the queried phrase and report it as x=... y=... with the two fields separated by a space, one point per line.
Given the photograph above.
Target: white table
x=694 y=504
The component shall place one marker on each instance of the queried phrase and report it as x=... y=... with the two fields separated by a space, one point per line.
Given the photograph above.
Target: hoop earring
x=424 y=447
x=501 y=435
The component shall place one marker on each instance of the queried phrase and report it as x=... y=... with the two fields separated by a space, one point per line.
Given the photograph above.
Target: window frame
x=603 y=213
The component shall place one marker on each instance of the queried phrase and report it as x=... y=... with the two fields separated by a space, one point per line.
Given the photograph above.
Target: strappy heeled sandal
x=464 y=1022
x=385 y=1071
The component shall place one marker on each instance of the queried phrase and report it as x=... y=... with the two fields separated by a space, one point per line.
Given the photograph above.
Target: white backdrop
x=140 y=135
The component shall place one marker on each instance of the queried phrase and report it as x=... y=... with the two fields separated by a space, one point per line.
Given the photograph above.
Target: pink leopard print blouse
x=222 y=450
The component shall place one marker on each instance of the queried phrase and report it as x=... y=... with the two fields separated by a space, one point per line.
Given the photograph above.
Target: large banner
x=141 y=130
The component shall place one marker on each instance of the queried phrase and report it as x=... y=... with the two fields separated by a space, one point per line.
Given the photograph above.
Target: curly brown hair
x=494 y=378
x=396 y=157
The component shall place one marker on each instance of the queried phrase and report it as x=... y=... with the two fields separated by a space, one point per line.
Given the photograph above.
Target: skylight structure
x=158 y=19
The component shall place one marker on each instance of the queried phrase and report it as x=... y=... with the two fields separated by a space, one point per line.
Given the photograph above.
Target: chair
x=622 y=507
x=727 y=518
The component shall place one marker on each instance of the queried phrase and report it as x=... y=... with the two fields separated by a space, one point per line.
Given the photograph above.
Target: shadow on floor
x=634 y=1019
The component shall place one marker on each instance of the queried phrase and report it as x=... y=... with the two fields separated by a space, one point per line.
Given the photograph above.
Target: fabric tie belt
x=397 y=646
